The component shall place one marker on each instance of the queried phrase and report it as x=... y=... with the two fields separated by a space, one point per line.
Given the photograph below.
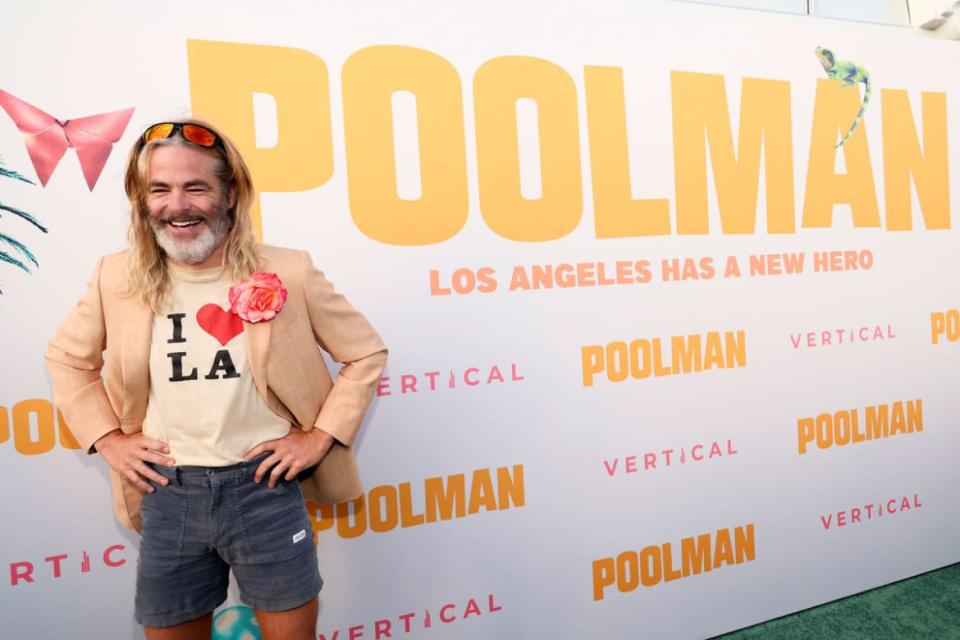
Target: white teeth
x=182 y=225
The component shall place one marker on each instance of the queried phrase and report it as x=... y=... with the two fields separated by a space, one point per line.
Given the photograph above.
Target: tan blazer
x=98 y=396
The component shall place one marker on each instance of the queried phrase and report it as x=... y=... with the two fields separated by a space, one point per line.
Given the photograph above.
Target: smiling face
x=188 y=205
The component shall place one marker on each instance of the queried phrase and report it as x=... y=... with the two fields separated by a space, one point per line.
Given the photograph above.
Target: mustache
x=182 y=216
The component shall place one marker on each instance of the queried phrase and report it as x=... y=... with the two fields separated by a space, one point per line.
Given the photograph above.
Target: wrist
x=321 y=436
x=105 y=439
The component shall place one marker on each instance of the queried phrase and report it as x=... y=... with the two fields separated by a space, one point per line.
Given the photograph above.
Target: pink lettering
x=916 y=501
x=715 y=450
x=383 y=388
x=473 y=609
x=56 y=563
x=335 y=635
x=611 y=469
x=864 y=333
x=892 y=505
x=730 y=449
x=795 y=339
x=826 y=520
x=666 y=454
x=495 y=375
x=631 y=462
x=356 y=632
x=811 y=339
x=408 y=381
x=854 y=515
x=491 y=607
x=825 y=338
x=20 y=571
x=432 y=375
x=108 y=556
x=649 y=461
x=407 y=617
x=382 y=629
x=842 y=519
x=444 y=618
x=467 y=378
x=693 y=452
x=515 y=373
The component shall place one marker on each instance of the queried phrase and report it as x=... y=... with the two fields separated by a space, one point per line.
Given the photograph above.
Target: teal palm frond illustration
x=12 y=251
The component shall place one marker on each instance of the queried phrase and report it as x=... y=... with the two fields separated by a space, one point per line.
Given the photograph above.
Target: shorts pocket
x=164 y=518
x=274 y=522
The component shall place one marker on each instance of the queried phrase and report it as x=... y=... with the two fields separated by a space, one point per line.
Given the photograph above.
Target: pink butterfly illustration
x=48 y=138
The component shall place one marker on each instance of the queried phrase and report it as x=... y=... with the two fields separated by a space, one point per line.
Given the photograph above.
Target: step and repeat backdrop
x=671 y=294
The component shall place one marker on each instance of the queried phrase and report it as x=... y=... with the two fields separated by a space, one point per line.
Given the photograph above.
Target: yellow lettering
x=915 y=415
x=510 y=488
x=685 y=353
x=382 y=505
x=498 y=85
x=223 y=77
x=616 y=213
x=46 y=434
x=745 y=544
x=834 y=109
x=878 y=425
x=700 y=113
x=370 y=78
x=904 y=160
x=344 y=528
x=445 y=501
x=481 y=492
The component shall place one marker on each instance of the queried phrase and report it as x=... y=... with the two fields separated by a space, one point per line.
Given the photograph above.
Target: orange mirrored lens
x=199 y=135
x=158 y=132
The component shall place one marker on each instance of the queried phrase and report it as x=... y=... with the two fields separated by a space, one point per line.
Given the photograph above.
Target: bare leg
x=198 y=629
x=293 y=624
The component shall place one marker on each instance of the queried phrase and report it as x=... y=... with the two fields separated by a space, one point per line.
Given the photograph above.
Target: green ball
x=236 y=623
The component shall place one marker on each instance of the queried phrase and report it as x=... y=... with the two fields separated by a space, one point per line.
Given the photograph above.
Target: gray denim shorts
x=210 y=520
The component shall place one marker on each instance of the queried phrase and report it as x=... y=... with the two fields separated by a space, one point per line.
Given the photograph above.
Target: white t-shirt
x=203 y=402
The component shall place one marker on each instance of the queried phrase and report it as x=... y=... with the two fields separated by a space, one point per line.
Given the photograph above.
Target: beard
x=193 y=250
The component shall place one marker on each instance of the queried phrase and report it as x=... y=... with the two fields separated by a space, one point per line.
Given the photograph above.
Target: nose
x=178 y=199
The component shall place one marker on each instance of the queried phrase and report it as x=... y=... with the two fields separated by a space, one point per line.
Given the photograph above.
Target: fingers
x=147 y=472
x=277 y=472
x=292 y=473
x=153 y=444
x=265 y=466
x=156 y=458
x=137 y=480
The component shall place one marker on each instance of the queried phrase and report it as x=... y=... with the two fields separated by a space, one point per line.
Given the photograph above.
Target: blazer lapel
x=257 y=337
x=135 y=362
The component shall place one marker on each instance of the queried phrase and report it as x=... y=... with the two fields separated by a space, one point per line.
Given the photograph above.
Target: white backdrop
x=530 y=563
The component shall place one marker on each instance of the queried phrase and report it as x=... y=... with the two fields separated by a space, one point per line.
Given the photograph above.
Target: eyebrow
x=186 y=185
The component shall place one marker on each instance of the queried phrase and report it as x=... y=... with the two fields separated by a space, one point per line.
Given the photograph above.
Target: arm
x=74 y=359
x=350 y=340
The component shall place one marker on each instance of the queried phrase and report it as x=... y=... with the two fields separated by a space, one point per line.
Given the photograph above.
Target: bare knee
x=299 y=623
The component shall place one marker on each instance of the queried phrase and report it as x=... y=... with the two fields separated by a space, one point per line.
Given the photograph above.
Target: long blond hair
x=149 y=280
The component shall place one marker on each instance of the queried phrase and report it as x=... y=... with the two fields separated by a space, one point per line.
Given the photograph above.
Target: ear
x=232 y=196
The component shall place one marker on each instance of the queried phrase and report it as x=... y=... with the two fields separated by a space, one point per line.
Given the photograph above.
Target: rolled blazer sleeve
x=74 y=359
x=345 y=334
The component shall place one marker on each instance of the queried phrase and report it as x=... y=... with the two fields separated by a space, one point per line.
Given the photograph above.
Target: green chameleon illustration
x=848 y=74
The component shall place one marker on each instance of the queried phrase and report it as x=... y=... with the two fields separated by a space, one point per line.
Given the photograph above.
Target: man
x=215 y=404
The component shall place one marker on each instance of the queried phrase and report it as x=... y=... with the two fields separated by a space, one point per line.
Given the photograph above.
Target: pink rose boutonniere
x=258 y=299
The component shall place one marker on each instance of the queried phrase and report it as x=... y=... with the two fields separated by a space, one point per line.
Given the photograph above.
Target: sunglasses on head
x=194 y=133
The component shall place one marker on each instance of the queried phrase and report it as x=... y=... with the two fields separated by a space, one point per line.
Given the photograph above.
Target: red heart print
x=222 y=325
